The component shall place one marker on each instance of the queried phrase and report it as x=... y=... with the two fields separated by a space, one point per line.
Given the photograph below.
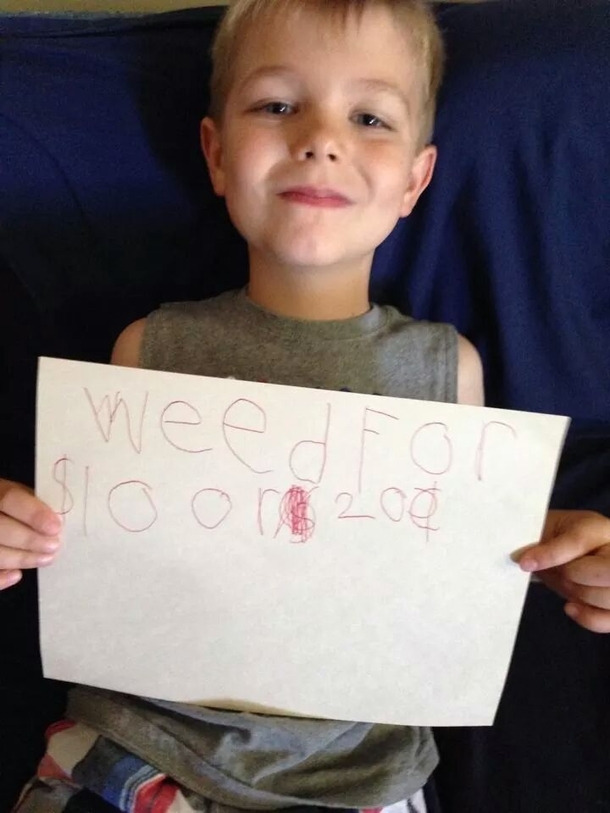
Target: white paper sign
x=286 y=550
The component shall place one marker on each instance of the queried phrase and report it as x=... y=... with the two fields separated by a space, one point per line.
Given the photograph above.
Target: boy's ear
x=420 y=176
x=212 y=150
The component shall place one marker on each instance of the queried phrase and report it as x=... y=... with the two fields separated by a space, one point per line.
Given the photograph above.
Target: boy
x=321 y=114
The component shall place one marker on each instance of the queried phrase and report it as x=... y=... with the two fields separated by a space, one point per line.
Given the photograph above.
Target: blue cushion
x=105 y=206
x=511 y=242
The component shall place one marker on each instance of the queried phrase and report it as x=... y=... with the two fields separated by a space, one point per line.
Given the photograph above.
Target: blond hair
x=243 y=15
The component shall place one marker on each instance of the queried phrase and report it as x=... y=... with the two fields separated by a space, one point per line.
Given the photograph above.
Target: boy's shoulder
x=175 y=319
x=170 y=319
x=193 y=309
x=398 y=323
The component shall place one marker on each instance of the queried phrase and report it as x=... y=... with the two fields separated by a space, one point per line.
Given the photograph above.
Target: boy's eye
x=369 y=120
x=277 y=108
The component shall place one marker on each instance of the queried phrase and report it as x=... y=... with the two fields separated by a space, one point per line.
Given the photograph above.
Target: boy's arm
x=126 y=350
x=469 y=375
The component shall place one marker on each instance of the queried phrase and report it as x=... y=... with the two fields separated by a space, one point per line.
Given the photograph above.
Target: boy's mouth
x=315 y=196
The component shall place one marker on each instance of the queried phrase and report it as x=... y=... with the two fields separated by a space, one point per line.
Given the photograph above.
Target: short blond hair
x=415 y=15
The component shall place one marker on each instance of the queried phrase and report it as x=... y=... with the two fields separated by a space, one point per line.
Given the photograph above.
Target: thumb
x=567 y=535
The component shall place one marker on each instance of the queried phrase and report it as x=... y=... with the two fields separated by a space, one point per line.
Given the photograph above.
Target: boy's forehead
x=291 y=40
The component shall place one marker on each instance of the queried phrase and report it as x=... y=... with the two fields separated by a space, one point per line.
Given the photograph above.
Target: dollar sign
x=421 y=518
x=297 y=513
x=60 y=474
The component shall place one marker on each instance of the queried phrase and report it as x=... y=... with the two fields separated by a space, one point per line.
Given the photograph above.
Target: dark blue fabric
x=511 y=243
x=104 y=189
x=106 y=210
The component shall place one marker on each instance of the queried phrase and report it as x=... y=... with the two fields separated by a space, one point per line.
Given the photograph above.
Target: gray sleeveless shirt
x=381 y=352
x=260 y=762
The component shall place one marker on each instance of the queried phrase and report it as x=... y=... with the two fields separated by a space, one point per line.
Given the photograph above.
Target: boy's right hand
x=29 y=532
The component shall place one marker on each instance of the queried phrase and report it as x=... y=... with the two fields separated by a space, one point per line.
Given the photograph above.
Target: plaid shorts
x=83 y=772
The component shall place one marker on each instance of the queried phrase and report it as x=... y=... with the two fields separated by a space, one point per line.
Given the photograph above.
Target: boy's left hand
x=573 y=559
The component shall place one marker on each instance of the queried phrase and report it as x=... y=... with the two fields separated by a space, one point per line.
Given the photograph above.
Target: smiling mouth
x=310 y=196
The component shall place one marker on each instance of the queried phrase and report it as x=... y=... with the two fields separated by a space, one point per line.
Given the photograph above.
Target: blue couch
x=106 y=210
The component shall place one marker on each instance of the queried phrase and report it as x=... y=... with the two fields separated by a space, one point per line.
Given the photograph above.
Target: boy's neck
x=319 y=294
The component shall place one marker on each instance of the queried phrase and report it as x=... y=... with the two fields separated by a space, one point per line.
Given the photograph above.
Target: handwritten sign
x=286 y=550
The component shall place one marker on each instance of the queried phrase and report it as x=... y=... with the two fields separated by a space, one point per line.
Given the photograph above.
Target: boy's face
x=317 y=153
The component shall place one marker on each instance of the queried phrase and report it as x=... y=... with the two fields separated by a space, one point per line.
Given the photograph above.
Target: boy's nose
x=309 y=154
x=319 y=142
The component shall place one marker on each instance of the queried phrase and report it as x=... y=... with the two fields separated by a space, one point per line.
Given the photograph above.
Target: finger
x=14 y=534
x=590 y=571
x=589 y=617
x=8 y=578
x=559 y=582
x=11 y=559
x=596 y=597
x=565 y=540
x=18 y=503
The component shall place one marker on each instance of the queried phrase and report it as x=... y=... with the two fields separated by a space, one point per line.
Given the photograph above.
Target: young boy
x=318 y=139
